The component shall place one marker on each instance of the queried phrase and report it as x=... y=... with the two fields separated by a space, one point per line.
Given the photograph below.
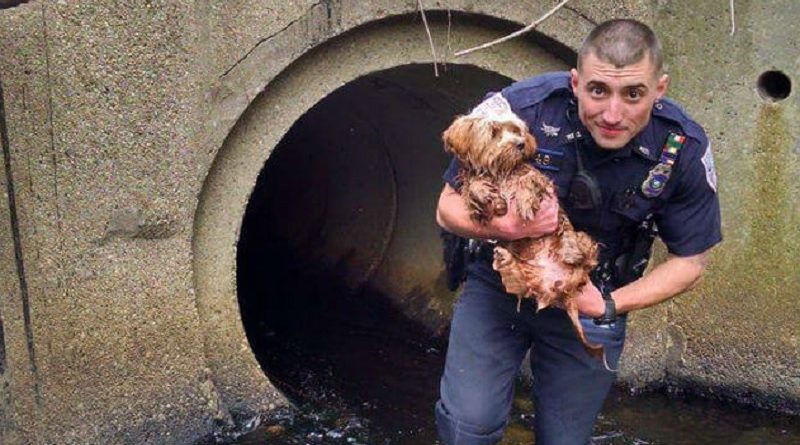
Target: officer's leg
x=486 y=347
x=569 y=385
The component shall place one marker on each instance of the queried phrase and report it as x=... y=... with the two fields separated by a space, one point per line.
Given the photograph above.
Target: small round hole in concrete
x=774 y=85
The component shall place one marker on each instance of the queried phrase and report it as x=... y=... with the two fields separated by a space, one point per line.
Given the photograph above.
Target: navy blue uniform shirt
x=686 y=212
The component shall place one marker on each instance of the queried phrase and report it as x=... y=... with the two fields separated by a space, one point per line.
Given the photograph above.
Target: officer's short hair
x=622 y=42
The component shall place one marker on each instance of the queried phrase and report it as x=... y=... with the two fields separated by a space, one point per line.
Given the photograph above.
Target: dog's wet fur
x=493 y=153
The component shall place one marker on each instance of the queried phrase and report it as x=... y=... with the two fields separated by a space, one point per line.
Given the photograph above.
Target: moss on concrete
x=740 y=327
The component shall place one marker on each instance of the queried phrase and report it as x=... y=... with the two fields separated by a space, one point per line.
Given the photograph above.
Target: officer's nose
x=613 y=112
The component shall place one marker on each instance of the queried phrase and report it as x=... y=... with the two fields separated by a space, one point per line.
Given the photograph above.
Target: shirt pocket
x=630 y=207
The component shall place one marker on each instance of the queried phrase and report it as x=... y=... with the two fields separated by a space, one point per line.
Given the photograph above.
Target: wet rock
x=334 y=434
x=275 y=430
x=315 y=436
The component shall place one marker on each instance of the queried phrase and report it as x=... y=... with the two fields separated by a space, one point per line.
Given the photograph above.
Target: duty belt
x=604 y=276
x=480 y=250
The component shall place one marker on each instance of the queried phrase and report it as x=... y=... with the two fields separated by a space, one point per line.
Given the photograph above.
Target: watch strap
x=610 y=314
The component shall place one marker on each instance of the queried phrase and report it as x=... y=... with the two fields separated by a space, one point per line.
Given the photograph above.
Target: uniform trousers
x=488 y=341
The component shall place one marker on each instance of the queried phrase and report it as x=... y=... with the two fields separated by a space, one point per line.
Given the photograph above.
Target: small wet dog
x=492 y=145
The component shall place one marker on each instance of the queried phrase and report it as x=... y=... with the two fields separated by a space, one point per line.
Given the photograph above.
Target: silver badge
x=550 y=131
x=644 y=150
x=711 y=172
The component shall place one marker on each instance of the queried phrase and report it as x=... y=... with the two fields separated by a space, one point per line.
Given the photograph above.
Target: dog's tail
x=595 y=350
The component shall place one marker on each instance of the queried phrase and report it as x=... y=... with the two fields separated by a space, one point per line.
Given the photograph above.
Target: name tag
x=548 y=159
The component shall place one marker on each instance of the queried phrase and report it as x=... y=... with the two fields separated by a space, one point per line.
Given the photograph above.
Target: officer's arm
x=453 y=216
x=675 y=275
x=688 y=223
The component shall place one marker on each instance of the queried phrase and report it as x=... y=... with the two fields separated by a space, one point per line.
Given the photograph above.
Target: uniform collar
x=645 y=143
x=639 y=146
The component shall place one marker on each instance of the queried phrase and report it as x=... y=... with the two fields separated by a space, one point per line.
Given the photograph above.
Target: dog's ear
x=496 y=129
x=458 y=137
x=530 y=144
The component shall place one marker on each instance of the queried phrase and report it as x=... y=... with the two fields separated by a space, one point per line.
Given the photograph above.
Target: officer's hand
x=513 y=227
x=590 y=301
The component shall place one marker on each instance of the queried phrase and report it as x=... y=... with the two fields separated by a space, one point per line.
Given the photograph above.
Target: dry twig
x=430 y=38
x=449 y=48
x=514 y=34
x=733 y=19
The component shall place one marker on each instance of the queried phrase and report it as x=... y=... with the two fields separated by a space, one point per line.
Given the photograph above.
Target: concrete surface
x=136 y=132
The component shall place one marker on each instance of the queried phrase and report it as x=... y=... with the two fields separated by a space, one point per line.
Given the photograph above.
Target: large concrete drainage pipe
x=321 y=197
x=341 y=220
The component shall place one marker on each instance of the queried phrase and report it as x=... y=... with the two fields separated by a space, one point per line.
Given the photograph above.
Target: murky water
x=375 y=382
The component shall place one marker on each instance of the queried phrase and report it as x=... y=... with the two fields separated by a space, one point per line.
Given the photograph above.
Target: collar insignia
x=574 y=135
x=550 y=131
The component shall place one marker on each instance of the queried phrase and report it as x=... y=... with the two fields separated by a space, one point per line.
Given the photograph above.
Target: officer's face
x=615 y=103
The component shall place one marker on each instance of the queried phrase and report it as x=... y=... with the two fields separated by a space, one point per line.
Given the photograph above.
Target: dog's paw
x=527 y=202
x=502 y=258
x=530 y=189
x=510 y=274
x=569 y=250
x=483 y=200
x=577 y=248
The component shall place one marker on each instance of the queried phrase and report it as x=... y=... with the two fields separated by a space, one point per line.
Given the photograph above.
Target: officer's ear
x=661 y=87
x=573 y=81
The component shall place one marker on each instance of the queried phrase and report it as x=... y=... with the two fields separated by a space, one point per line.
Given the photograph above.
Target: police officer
x=626 y=162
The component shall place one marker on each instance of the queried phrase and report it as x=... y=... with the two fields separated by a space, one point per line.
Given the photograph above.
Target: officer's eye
x=597 y=91
x=635 y=94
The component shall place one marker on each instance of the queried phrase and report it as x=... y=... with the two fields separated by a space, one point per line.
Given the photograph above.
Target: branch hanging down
x=514 y=34
x=430 y=38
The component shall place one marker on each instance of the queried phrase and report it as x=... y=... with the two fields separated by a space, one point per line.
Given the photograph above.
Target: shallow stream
x=371 y=383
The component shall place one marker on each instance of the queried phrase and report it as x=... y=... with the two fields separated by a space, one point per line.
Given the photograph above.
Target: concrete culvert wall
x=364 y=160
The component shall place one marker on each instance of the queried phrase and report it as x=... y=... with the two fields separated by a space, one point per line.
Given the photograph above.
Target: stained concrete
x=136 y=134
x=737 y=335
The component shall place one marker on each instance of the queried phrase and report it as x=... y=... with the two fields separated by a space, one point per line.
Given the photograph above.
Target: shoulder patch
x=708 y=163
x=494 y=107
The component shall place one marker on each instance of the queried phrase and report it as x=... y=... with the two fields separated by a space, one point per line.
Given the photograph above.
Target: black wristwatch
x=610 y=314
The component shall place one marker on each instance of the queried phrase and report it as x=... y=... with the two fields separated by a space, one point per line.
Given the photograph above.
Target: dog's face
x=491 y=146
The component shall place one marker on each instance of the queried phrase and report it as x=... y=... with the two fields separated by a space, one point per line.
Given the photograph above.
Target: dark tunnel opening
x=339 y=271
